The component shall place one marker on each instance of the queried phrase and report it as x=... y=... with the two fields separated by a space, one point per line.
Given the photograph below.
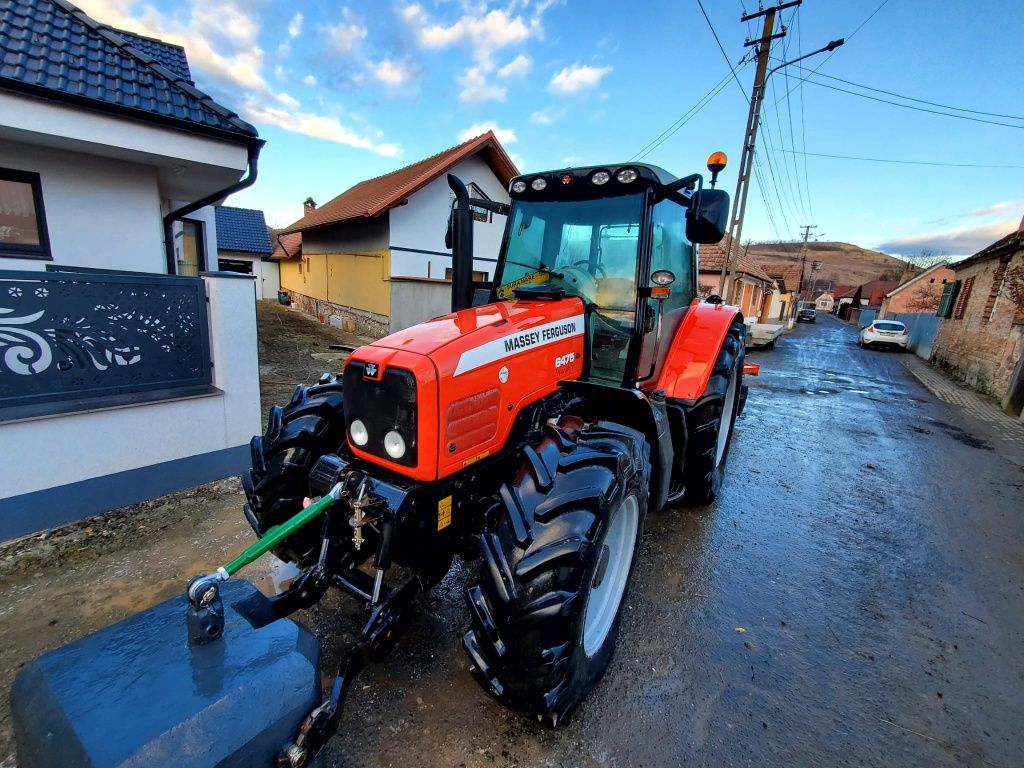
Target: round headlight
x=519 y=186
x=394 y=444
x=538 y=184
x=626 y=175
x=358 y=432
x=600 y=177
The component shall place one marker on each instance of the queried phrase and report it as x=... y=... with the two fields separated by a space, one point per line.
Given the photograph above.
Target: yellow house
x=376 y=253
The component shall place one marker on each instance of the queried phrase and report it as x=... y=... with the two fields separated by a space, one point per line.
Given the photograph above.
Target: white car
x=884 y=333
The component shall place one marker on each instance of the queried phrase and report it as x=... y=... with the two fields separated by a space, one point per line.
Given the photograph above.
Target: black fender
x=640 y=411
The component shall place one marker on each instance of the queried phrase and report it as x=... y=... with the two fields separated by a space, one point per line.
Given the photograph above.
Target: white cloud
x=547 y=116
x=317 y=126
x=518 y=67
x=476 y=89
x=346 y=35
x=484 y=35
x=999 y=208
x=221 y=42
x=505 y=135
x=577 y=78
x=957 y=242
x=391 y=72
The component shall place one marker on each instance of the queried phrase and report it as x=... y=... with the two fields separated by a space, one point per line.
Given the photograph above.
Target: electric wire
x=907 y=162
x=724 y=54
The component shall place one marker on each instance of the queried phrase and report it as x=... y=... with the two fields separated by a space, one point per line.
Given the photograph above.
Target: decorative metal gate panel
x=76 y=340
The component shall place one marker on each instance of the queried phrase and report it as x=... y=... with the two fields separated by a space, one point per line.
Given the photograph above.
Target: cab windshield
x=590 y=248
x=587 y=247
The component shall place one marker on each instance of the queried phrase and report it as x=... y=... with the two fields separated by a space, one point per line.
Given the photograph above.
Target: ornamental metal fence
x=79 y=339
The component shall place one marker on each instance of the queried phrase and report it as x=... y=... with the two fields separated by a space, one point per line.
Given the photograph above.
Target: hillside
x=842 y=263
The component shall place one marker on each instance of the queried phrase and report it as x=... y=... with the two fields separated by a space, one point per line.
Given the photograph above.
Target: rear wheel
x=310 y=426
x=710 y=422
x=556 y=568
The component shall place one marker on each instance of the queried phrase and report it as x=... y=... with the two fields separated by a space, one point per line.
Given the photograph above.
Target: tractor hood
x=469 y=328
x=452 y=387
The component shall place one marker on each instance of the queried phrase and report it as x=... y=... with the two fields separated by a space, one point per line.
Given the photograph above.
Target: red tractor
x=531 y=429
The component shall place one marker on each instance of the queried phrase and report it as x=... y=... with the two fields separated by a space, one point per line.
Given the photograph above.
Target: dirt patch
x=295 y=349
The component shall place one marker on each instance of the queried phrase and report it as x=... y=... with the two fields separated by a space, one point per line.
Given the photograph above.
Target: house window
x=961 y=300
x=192 y=257
x=22 y=219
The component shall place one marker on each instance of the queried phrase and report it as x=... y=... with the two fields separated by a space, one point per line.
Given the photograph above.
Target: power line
x=666 y=134
x=792 y=138
x=724 y=54
x=803 y=121
x=905 y=162
x=908 y=98
x=907 y=106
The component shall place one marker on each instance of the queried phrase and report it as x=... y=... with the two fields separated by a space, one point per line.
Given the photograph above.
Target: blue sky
x=343 y=92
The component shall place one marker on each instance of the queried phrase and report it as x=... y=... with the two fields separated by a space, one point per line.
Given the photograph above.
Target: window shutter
x=949 y=292
x=962 y=299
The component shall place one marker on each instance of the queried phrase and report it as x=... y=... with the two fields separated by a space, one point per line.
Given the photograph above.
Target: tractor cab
x=621 y=238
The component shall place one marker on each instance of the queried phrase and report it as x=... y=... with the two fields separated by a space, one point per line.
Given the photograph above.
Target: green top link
x=279 y=533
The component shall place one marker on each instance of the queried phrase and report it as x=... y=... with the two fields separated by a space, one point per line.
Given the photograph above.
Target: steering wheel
x=599 y=271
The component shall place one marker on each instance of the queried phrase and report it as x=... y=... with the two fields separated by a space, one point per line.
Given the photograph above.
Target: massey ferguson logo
x=370 y=371
x=565 y=359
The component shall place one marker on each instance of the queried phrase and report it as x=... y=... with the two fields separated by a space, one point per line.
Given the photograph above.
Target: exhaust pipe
x=460 y=239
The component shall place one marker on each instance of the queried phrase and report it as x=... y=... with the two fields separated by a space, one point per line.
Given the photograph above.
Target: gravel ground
x=854 y=597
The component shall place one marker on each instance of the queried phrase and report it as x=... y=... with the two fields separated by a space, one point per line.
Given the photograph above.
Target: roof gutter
x=253 y=155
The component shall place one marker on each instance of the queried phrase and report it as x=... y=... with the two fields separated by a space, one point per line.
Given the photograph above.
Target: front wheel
x=556 y=567
x=710 y=422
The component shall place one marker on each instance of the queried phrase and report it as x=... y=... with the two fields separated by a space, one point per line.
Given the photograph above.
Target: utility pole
x=739 y=205
x=803 y=263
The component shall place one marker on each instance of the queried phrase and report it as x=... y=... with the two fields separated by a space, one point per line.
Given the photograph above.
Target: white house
x=376 y=252
x=243 y=246
x=123 y=375
x=825 y=302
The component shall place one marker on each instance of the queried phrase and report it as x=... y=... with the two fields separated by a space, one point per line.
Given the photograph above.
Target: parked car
x=884 y=333
x=807 y=315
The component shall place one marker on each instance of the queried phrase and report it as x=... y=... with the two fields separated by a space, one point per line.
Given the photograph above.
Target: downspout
x=253 y=155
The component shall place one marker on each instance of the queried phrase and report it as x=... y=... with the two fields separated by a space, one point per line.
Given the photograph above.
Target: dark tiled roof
x=242 y=229
x=52 y=49
x=171 y=56
x=374 y=196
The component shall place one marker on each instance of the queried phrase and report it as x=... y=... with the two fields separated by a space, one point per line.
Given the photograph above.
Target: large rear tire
x=310 y=426
x=556 y=568
x=711 y=420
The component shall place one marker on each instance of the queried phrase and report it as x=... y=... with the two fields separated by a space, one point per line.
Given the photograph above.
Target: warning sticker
x=444 y=513
x=507 y=290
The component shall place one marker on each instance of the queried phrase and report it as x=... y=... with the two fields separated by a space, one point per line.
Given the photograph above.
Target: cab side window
x=672 y=251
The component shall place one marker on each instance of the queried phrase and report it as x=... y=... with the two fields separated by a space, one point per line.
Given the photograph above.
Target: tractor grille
x=384 y=404
x=472 y=420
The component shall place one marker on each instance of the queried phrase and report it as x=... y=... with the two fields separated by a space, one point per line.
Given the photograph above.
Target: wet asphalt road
x=854 y=597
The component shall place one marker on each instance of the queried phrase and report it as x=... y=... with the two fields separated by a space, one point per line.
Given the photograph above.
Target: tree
x=925 y=298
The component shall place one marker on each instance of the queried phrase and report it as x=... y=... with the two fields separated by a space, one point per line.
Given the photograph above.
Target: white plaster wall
x=100 y=212
x=421 y=224
x=267 y=274
x=86 y=445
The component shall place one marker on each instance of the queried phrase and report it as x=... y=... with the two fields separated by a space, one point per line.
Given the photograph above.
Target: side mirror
x=708 y=217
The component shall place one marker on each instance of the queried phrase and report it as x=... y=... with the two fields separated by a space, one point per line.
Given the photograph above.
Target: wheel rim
x=606 y=597
x=725 y=425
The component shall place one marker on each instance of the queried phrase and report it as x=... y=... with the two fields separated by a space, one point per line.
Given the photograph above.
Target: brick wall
x=982 y=347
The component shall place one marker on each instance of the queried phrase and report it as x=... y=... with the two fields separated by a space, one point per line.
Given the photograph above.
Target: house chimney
x=308 y=206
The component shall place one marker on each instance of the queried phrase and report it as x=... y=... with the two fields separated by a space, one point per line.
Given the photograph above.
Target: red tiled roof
x=287 y=246
x=711 y=257
x=374 y=196
x=787 y=275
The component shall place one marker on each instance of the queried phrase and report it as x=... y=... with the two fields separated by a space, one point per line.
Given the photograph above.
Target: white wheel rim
x=605 y=598
x=725 y=425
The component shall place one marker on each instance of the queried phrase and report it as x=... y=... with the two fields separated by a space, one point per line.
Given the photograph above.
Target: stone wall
x=982 y=347
x=367 y=323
